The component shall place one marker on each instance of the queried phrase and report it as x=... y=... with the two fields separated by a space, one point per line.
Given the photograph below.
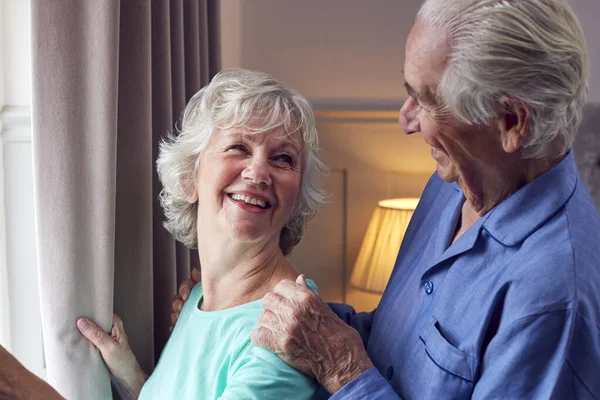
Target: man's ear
x=513 y=121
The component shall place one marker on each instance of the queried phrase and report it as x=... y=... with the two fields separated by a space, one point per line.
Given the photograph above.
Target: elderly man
x=496 y=289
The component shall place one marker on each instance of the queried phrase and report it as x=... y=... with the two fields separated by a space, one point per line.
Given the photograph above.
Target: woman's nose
x=409 y=121
x=257 y=172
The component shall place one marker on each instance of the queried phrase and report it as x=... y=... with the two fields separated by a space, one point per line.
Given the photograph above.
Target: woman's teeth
x=248 y=200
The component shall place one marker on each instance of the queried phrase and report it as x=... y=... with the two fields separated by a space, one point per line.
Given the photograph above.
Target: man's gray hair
x=238 y=98
x=530 y=51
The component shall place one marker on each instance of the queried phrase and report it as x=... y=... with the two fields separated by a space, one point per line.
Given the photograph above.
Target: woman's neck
x=240 y=274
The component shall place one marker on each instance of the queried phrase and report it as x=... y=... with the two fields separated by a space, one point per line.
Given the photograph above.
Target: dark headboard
x=587 y=150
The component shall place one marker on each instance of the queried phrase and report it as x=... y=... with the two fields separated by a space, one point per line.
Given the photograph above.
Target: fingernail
x=82 y=324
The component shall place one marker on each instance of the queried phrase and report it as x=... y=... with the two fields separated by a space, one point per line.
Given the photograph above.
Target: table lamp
x=380 y=246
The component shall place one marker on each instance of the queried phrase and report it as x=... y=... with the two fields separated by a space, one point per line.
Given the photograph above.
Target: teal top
x=210 y=356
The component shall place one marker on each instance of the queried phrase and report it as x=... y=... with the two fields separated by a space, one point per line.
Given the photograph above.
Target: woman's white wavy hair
x=237 y=98
x=531 y=51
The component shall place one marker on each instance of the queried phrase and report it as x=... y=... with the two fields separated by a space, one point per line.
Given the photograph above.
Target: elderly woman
x=240 y=180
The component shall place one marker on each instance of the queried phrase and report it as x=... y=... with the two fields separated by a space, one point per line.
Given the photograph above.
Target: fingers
x=186 y=288
x=196 y=275
x=269 y=320
x=177 y=303
x=265 y=338
x=174 y=317
x=275 y=303
x=177 y=307
x=91 y=332
x=301 y=280
x=118 y=322
x=117 y=331
x=293 y=291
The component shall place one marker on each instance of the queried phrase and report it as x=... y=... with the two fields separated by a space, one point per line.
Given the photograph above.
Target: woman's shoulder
x=258 y=371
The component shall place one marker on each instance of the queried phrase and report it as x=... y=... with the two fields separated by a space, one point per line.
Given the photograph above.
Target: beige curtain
x=110 y=78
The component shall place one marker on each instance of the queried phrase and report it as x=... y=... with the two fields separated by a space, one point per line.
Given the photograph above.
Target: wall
x=588 y=12
x=19 y=298
x=348 y=55
x=335 y=52
x=344 y=53
x=381 y=162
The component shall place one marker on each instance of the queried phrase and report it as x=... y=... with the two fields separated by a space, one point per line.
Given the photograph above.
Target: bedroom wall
x=588 y=12
x=334 y=53
x=343 y=53
x=347 y=56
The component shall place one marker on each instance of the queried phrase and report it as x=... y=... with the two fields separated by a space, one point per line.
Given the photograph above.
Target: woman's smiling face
x=248 y=183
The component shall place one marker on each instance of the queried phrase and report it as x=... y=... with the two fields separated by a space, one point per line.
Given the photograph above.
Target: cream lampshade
x=380 y=246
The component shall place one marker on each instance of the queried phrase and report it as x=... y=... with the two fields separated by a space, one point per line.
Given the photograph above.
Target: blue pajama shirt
x=510 y=310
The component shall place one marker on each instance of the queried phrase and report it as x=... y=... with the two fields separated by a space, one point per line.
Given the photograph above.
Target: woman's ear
x=513 y=122
x=188 y=184
x=193 y=197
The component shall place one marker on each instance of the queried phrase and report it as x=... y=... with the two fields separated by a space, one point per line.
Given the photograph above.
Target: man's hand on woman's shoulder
x=300 y=327
x=185 y=288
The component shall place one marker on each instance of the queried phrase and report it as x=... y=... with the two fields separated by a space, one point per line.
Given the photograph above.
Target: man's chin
x=447 y=173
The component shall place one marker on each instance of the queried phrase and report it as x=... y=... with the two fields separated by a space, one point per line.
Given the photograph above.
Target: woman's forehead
x=277 y=135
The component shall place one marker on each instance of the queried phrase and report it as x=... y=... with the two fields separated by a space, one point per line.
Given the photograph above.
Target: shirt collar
x=521 y=214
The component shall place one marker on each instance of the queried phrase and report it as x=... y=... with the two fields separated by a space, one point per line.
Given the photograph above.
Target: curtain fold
x=110 y=78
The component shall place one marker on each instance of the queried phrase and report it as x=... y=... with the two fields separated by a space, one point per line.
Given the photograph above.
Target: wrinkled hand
x=126 y=373
x=298 y=326
x=182 y=295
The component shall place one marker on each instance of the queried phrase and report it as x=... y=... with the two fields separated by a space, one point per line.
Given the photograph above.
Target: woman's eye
x=238 y=148
x=285 y=159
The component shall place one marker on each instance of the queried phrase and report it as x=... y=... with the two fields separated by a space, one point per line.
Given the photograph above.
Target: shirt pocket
x=443 y=371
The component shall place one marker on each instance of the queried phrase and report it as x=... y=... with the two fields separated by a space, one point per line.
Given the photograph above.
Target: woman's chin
x=249 y=233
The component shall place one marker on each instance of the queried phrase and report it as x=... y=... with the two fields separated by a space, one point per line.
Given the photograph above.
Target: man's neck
x=483 y=194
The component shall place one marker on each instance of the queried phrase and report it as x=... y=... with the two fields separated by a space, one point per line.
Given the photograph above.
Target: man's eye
x=416 y=98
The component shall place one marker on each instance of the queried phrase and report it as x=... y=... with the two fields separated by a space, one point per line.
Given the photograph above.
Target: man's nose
x=257 y=172
x=409 y=121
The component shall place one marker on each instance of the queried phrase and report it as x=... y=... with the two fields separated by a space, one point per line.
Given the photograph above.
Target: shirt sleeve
x=260 y=374
x=368 y=385
x=544 y=356
x=362 y=322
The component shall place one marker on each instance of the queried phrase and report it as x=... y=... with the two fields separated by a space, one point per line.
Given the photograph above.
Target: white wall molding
x=15 y=128
x=4 y=297
x=15 y=124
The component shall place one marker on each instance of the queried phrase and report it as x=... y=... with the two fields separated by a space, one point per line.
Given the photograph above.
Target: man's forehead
x=427 y=51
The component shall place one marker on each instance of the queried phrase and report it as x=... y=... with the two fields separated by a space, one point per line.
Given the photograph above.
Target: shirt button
x=428 y=287
x=390 y=373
